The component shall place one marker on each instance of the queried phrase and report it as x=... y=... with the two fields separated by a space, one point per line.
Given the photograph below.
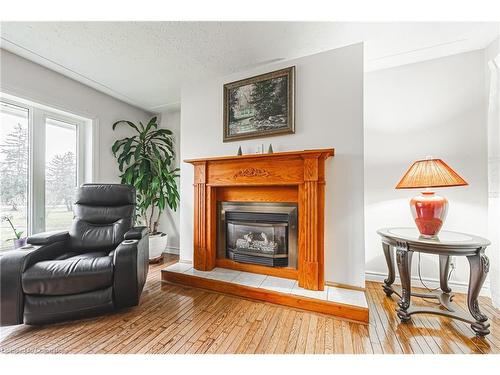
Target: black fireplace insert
x=258 y=233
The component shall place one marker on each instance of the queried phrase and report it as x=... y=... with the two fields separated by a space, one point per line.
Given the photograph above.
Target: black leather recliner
x=99 y=265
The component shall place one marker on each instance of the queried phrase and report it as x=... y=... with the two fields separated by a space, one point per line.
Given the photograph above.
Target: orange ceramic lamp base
x=429 y=211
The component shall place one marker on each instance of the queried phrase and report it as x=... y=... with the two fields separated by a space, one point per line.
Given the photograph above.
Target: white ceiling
x=145 y=63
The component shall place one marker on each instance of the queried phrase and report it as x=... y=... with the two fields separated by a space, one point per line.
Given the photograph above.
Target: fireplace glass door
x=260 y=233
x=260 y=243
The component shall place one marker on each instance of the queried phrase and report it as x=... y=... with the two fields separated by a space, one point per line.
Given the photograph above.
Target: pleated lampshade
x=430 y=173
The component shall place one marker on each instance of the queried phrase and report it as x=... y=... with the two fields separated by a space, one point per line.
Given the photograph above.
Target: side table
x=406 y=241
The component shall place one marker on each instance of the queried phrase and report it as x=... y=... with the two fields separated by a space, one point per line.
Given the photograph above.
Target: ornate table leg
x=479 y=267
x=389 y=258
x=403 y=257
x=444 y=269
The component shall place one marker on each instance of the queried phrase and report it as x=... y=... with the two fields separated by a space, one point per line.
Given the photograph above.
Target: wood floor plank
x=260 y=333
x=285 y=333
x=300 y=348
x=329 y=337
x=294 y=333
x=274 y=318
x=338 y=346
x=213 y=332
x=247 y=322
x=319 y=343
x=232 y=332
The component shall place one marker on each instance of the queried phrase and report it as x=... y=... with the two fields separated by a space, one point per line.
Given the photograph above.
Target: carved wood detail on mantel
x=303 y=170
x=252 y=172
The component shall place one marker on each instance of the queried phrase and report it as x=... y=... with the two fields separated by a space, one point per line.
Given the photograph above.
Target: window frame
x=37 y=117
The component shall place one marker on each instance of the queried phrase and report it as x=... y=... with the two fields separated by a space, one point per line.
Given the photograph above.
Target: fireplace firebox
x=258 y=233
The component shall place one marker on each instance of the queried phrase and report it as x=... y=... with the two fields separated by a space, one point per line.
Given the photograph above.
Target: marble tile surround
x=277 y=284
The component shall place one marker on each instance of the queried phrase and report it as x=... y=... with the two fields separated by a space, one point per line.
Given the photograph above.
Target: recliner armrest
x=12 y=264
x=131 y=261
x=136 y=233
x=47 y=238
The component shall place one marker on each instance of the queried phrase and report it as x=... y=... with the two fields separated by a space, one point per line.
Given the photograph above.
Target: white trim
x=172 y=250
x=94 y=149
x=456 y=286
x=37 y=172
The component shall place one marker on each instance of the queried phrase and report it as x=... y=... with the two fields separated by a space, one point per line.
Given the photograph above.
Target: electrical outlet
x=453 y=262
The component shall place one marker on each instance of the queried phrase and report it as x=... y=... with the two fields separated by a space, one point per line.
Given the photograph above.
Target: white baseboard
x=458 y=287
x=172 y=250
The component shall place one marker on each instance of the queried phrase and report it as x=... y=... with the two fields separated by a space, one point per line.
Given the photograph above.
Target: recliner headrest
x=105 y=195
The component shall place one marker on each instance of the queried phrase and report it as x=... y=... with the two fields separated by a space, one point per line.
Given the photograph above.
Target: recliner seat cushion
x=74 y=274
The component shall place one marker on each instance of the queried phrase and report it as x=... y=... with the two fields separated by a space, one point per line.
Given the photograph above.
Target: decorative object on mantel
x=429 y=209
x=239 y=151
x=270 y=149
x=260 y=106
x=146 y=160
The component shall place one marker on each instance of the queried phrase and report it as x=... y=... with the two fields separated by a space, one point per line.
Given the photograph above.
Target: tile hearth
x=276 y=284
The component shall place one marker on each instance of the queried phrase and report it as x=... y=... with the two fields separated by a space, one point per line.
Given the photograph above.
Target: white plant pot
x=157 y=245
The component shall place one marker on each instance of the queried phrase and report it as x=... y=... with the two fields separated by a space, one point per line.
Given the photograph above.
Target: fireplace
x=258 y=233
x=294 y=177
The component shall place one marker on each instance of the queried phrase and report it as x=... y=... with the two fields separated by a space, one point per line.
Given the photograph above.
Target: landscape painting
x=260 y=106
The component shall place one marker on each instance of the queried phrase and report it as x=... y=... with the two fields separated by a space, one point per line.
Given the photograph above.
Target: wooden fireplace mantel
x=295 y=176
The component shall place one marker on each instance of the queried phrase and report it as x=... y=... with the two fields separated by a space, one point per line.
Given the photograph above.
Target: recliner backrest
x=103 y=213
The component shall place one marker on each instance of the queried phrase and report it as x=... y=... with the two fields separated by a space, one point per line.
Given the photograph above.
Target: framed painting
x=260 y=106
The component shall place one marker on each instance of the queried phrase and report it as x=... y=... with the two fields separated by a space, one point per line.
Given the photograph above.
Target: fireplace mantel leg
x=311 y=196
x=203 y=260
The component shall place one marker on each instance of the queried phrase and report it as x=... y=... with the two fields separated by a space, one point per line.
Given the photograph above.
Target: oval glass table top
x=444 y=238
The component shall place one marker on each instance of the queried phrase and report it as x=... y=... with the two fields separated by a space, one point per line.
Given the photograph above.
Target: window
x=44 y=156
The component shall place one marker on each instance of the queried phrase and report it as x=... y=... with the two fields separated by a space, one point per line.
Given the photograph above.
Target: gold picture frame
x=260 y=106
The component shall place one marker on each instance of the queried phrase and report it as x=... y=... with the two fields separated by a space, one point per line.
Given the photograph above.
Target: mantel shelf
x=326 y=152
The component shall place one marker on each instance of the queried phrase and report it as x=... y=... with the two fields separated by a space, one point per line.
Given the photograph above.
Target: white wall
x=169 y=222
x=23 y=78
x=329 y=113
x=436 y=108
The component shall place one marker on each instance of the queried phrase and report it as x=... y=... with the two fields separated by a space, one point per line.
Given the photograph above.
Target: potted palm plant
x=146 y=161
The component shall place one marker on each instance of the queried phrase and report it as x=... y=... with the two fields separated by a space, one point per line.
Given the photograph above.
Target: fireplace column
x=203 y=259
x=311 y=222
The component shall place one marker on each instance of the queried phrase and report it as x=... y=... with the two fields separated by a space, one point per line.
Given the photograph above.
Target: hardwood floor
x=173 y=319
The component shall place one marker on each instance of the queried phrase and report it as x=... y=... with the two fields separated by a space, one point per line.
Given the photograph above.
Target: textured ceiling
x=145 y=63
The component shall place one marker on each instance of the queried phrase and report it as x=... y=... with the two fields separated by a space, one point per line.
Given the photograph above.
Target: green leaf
x=129 y=123
x=151 y=124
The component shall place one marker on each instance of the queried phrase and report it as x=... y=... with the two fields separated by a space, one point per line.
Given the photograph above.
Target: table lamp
x=429 y=209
